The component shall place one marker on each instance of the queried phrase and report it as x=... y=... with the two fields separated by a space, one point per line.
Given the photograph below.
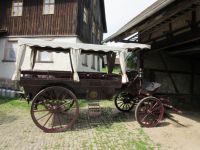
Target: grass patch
x=116 y=136
x=115 y=130
x=83 y=103
x=103 y=103
x=116 y=70
x=13 y=103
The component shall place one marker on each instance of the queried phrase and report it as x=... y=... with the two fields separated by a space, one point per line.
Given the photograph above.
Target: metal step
x=94 y=109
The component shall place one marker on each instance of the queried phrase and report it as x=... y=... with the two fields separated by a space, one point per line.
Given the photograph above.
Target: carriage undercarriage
x=55 y=106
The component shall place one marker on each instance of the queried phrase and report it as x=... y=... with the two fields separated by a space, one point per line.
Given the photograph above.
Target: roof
x=63 y=46
x=154 y=8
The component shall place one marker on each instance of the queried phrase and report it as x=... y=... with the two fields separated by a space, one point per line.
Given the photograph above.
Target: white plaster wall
x=61 y=61
x=6 y=68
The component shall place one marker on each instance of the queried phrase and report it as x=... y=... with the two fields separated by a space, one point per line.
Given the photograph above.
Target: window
x=93 y=27
x=93 y=32
x=93 y=62
x=48 y=7
x=98 y=64
x=45 y=57
x=17 y=7
x=85 y=16
x=84 y=60
x=10 y=51
x=95 y=3
x=99 y=35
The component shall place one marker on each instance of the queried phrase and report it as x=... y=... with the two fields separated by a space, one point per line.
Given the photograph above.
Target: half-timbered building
x=71 y=21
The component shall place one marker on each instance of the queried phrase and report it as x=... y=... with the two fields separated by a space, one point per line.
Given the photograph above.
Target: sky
x=119 y=12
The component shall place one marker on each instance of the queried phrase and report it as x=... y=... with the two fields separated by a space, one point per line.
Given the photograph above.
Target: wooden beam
x=170 y=71
x=172 y=32
x=128 y=41
x=180 y=39
x=175 y=10
x=172 y=13
x=186 y=51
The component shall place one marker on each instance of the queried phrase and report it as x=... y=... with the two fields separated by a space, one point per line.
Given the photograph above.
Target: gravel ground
x=112 y=130
x=178 y=132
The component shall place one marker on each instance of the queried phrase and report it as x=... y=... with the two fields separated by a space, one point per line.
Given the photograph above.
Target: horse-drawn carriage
x=54 y=94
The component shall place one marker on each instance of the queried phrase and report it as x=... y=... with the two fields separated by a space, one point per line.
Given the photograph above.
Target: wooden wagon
x=54 y=93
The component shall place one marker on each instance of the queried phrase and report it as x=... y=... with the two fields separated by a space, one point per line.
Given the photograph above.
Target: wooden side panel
x=198 y=14
x=33 y=22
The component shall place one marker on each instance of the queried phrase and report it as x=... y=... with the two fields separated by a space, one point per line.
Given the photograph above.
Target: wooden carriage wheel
x=149 y=112
x=124 y=101
x=54 y=109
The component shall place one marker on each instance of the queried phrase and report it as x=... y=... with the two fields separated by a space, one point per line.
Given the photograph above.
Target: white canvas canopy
x=75 y=51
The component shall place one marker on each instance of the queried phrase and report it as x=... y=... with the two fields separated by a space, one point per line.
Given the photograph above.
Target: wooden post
x=192 y=80
x=169 y=74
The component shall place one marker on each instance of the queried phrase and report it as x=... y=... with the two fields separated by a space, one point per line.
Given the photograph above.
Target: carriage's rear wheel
x=149 y=112
x=54 y=109
x=124 y=101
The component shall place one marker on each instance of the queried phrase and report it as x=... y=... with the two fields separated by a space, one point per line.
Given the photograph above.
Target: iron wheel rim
x=54 y=111
x=149 y=112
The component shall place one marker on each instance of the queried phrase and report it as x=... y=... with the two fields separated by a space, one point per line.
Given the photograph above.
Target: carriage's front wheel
x=149 y=112
x=54 y=109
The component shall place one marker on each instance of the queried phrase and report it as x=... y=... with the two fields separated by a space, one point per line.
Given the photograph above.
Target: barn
x=172 y=28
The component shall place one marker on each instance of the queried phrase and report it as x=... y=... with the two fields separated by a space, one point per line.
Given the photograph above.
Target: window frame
x=93 y=62
x=99 y=35
x=94 y=3
x=7 y=49
x=94 y=31
x=98 y=64
x=49 y=4
x=19 y=11
x=39 y=57
x=85 y=60
x=85 y=15
x=93 y=27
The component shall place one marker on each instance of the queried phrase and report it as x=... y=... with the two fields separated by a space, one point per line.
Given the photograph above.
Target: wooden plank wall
x=85 y=30
x=33 y=22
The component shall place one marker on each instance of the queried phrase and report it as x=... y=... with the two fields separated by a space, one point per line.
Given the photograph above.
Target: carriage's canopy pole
x=75 y=51
x=75 y=57
x=122 y=57
x=21 y=50
x=111 y=61
x=33 y=58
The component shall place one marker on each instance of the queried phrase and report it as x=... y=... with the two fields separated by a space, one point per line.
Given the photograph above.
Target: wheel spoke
x=127 y=107
x=146 y=116
x=44 y=116
x=121 y=105
x=155 y=109
x=119 y=102
x=61 y=105
x=41 y=110
x=48 y=120
x=59 y=120
x=154 y=105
